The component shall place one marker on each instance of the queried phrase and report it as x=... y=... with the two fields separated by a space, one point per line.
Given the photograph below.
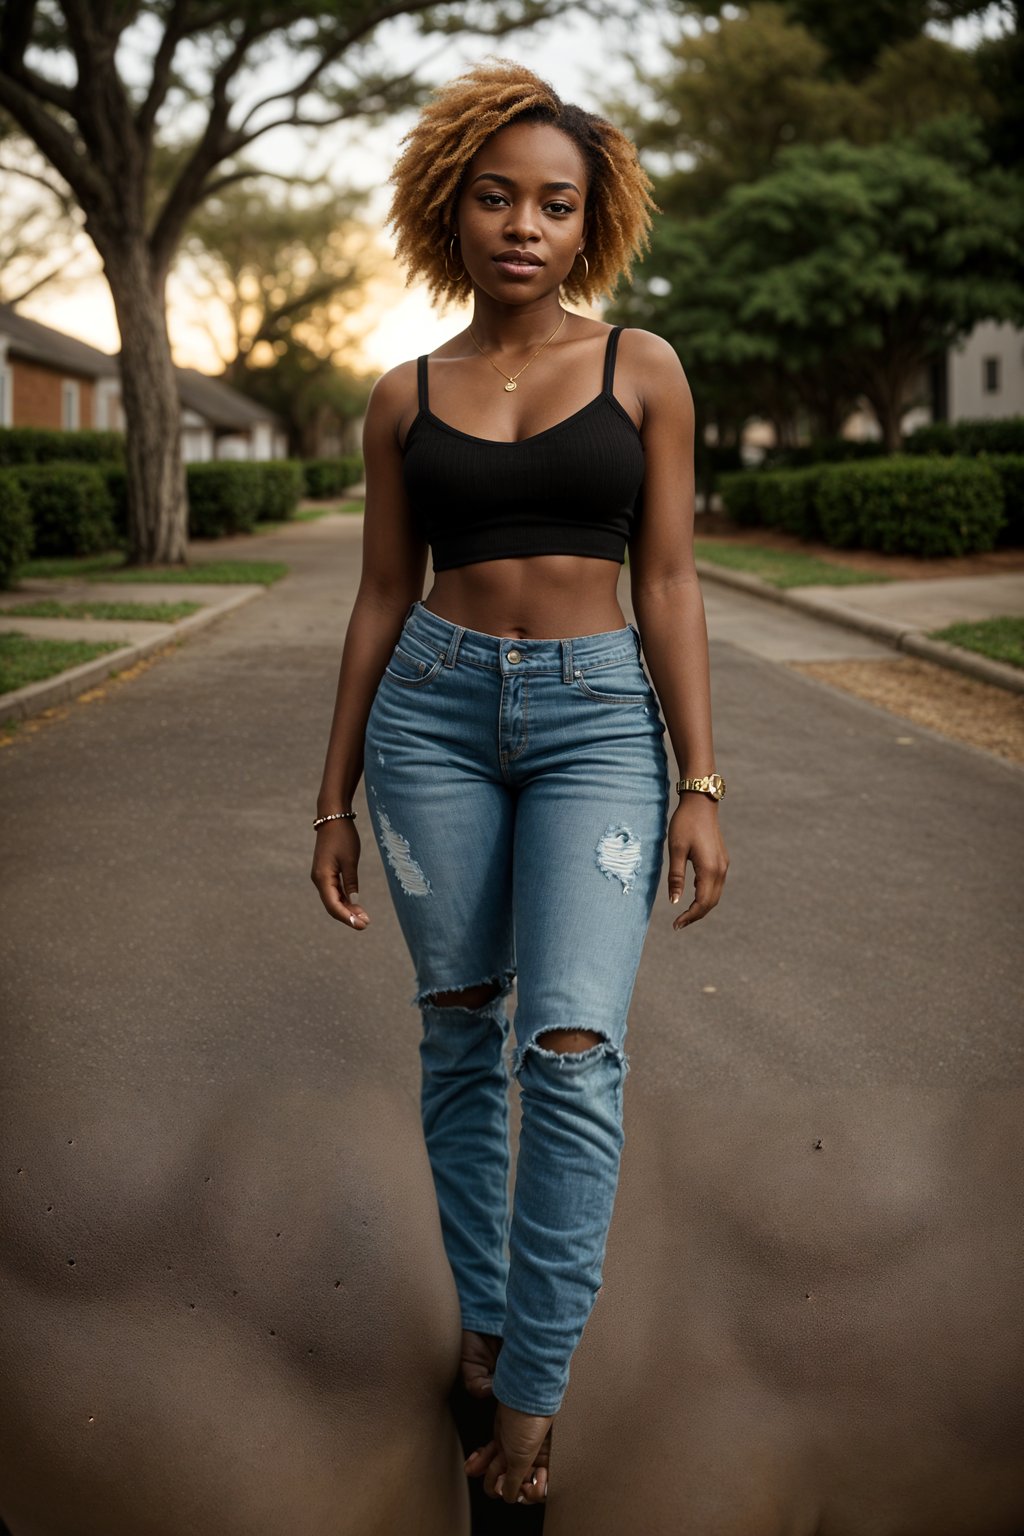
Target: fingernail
x=674 y=900
x=353 y=922
x=499 y=1485
x=521 y=1499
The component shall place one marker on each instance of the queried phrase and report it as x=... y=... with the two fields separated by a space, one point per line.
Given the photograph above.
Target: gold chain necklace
x=511 y=377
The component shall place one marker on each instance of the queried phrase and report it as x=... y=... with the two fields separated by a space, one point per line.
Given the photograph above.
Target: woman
x=512 y=743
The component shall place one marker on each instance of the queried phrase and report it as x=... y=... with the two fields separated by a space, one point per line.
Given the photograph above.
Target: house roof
x=41 y=344
x=222 y=405
x=213 y=399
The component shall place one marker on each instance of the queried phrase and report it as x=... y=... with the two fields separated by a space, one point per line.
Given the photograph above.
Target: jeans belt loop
x=566 y=661
x=453 y=646
x=637 y=641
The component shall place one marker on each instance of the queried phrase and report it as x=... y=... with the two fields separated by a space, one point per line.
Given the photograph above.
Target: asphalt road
x=811 y=1304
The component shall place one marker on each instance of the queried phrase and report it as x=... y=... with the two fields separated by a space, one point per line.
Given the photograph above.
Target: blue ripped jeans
x=518 y=791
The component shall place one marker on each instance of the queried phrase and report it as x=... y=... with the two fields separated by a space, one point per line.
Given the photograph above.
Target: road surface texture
x=226 y=1308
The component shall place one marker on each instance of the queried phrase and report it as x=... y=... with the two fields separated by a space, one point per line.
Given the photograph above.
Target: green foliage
x=72 y=513
x=781 y=567
x=1001 y=639
x=223 y=497
x=822 y=450
x=1010 y=469
x=907 y=506
x=15 y=527
x=332 y=477
x=774 y=498
x=40 y=445
x=283 y=486
x=839 y=274
x=910 y=506
x=25 y=659
x=1004 y=435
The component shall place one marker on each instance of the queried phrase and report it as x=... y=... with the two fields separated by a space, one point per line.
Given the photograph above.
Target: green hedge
x=72 y=513
x=331 y=477
x=968 y=437
x=823 y=450
x=284 y=485
x=909 y=506
x=39 y=445
x=1010 y=469
x=900 y=505
x=231 y=495
x=224 y=496
x=15 y=527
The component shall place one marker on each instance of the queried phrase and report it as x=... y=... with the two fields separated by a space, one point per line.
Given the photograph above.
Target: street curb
x=35 y=697
x=894 y=632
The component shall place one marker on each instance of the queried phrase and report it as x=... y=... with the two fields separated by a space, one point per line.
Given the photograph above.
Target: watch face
x=716 y=785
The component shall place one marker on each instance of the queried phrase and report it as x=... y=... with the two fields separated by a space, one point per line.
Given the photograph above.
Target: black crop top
x=573 y=489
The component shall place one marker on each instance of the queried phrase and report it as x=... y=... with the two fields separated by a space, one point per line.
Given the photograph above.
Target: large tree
x=841 y=273
x=101 y=86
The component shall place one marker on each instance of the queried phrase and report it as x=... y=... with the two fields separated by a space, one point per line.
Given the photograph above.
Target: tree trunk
x=157 y=495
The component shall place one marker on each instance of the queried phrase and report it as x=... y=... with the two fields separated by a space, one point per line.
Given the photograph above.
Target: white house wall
x=968 y=397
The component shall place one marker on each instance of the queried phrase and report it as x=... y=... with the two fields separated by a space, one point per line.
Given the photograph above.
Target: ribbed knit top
x=572 y=489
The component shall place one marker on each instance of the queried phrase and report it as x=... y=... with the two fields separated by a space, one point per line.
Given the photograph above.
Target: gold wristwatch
x=711 y=784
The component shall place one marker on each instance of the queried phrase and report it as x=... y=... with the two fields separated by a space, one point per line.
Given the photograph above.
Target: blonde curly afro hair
x=458 y=119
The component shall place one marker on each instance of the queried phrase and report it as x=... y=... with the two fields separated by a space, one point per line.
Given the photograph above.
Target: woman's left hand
x=694 y=836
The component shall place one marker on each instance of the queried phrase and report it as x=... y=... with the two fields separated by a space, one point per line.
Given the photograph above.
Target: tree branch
x=163 y=65
x=55 y=141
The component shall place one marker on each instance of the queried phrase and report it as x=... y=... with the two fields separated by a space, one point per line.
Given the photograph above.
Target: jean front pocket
x=615 y=682
x=413 y=662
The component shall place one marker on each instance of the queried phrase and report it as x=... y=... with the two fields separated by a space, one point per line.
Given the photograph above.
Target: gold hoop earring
x=586 y=266
x=453 y=277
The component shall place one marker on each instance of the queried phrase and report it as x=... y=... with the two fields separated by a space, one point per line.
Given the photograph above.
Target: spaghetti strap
x=609 y=357
x=421 y=382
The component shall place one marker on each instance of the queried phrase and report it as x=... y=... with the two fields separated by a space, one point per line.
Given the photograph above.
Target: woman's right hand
x=335 y=872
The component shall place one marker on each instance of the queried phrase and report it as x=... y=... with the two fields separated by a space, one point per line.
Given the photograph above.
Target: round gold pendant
x=510 y=386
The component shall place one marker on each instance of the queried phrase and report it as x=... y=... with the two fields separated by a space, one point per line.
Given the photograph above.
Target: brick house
x=51 y=380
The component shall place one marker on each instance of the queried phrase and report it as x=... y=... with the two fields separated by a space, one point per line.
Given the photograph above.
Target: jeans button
x=514 y=656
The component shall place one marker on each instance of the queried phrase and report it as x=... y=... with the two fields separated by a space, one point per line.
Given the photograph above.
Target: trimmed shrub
x=911 y=506
x=788 y=499
x=283 y=486
x=1010 y=469
x=70 y=506
x=40 y=445
x=824 y=450
x=1005 y=435
x=740 y=493
x=117 y=489
x=331 y=477
x=15 y=527
x=224 y=497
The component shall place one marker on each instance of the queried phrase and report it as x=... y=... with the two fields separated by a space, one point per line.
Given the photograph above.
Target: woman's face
x=520 y=215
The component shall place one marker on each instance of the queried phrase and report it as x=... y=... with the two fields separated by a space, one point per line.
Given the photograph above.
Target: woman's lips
x=517 y=268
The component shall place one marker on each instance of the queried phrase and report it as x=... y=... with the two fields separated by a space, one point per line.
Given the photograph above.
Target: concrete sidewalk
x=900 y=613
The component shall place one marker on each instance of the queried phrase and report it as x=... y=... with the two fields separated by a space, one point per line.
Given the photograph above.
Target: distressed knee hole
x=399 y=855
x=619 y=855
x=562 y=1040
x=464 y=997
x=569 y=1050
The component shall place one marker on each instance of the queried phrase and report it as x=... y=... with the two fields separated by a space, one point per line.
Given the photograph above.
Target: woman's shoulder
x=647 y=347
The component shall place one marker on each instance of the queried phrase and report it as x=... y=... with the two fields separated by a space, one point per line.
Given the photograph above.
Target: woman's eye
x=560 y=207
x=491 y=198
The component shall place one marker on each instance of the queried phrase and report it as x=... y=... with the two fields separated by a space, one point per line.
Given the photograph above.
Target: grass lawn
x=780 y=567
x=24 y=660
x=1000 y=639
x=49 y=608
x=112 y=567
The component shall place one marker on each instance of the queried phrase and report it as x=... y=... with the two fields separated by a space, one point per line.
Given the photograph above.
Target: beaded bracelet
x=335 y=816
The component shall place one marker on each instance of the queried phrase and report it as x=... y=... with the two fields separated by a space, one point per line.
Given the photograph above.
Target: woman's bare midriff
x=537 y=597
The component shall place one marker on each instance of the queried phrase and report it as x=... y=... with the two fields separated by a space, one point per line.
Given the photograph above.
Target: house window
x=6 y=396
x=990 y=375
x=69 y=403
